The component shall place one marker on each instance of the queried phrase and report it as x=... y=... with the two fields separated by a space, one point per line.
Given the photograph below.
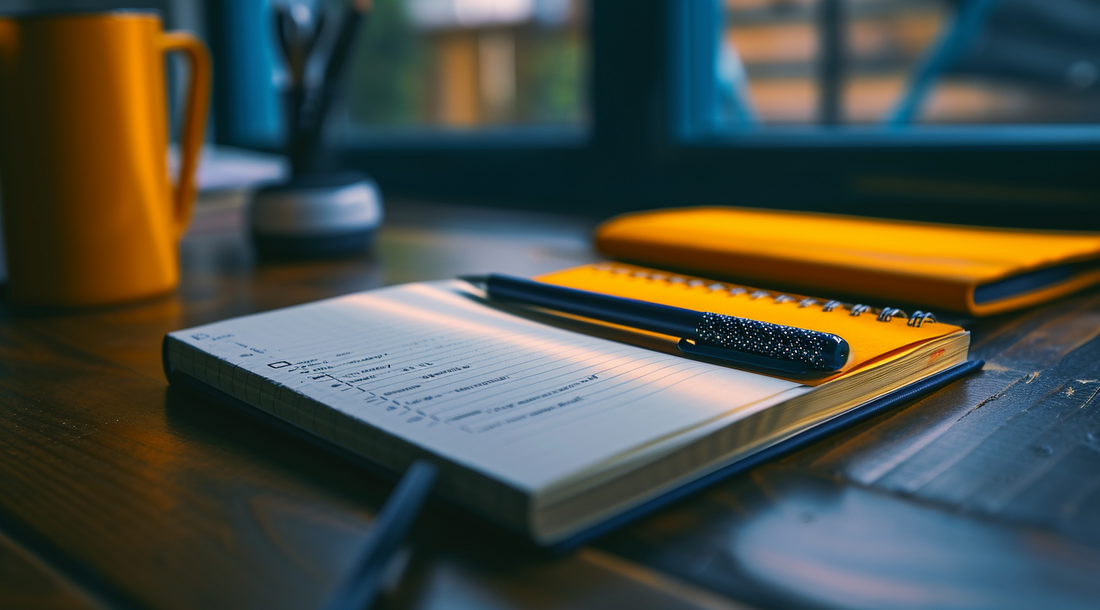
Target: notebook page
x=520 y=401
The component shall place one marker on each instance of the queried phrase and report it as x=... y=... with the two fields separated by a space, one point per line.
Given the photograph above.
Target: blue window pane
x=913 y=61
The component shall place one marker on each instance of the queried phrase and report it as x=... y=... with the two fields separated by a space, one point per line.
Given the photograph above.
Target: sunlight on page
x=523 y=402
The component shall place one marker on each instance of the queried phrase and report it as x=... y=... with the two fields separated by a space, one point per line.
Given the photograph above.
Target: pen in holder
x=316 y=213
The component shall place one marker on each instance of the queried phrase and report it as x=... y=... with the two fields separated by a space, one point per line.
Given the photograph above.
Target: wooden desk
x=116 y=492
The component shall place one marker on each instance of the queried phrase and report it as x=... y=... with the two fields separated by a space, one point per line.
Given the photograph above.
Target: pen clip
x=742 y=359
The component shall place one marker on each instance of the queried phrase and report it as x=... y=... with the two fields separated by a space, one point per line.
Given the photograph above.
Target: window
x=433 y=68
x=468 y=64
x=602 y=107
x=1017 y=61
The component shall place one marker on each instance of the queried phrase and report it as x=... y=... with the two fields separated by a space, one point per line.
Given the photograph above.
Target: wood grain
x=29 y=583
x=985 y=494
x=177 y=501
x=783 y=538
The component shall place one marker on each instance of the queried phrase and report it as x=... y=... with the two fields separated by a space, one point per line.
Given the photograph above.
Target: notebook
x=553 y=426
x=978 y=270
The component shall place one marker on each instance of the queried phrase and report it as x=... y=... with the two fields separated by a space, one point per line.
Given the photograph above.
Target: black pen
x=319 y=101
x=359 y=586
x=298 y=30
x=750 y=342
x=345 y=36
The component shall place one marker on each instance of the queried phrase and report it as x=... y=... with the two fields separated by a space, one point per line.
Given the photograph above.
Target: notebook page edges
x=524 y=403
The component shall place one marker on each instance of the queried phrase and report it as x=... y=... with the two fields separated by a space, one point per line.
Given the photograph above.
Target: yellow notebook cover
x=874 y=338
x=981 y=271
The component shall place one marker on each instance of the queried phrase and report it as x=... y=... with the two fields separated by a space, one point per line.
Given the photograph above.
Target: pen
x=341 y=47
x=320 y=101
x=283 y=25
x=359 y=586
x=298 y=30
x=741 y=340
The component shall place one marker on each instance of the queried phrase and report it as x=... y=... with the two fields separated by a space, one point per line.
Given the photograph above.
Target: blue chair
x=1051 y=44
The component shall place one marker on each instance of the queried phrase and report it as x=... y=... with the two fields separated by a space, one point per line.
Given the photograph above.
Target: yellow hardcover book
x=981 y=271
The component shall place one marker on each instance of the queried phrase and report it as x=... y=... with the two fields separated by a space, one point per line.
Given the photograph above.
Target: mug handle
x=194 y=120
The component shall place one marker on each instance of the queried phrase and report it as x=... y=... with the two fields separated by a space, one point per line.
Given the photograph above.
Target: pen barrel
x=817 y=350
x=653 y=317
x=728 y=337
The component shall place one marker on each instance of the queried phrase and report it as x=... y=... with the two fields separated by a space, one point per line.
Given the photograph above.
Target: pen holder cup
x=321 y=216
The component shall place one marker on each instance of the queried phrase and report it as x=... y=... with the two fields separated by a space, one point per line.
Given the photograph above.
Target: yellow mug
x=89 y=213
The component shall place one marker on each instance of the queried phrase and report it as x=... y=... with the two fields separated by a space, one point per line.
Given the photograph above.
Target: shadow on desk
x=985 y=494
x=455 y=555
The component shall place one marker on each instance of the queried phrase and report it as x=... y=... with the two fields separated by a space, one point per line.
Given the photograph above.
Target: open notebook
x=549 y=425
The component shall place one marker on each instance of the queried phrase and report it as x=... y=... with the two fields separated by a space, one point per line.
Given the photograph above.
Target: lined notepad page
x=523 y=402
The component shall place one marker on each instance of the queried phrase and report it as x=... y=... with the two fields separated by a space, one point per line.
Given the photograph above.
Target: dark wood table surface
x=117 y=492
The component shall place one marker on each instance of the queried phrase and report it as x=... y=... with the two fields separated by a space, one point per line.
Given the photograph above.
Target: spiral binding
x=884 y=314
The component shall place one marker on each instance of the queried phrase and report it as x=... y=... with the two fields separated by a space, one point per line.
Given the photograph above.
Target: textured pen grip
x=819 y=351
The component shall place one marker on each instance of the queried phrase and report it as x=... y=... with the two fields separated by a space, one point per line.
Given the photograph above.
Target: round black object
x=316 y=181
x=329 y=246
x=318 y=216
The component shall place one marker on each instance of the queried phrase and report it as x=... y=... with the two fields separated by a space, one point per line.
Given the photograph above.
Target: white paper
x=523 y=402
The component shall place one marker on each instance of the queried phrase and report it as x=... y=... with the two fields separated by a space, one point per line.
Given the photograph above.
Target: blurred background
x=465 y=64
x=1021 y=61
x=980 y=110
x=482 y=63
